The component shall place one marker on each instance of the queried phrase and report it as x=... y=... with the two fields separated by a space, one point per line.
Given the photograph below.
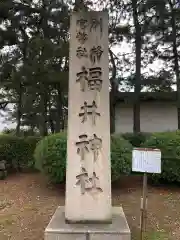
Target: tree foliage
x=34 y=62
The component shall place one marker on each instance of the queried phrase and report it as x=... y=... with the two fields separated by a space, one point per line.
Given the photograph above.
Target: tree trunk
x=51 y=116
x=63 y=123
x=114 y=88
x=19 y=111
x=44 y=97
x=137 y=87
x=112 y=111
x=59 y=114
x=51 y=123
x=20 y=90
x=32 y=130
x=176 y=63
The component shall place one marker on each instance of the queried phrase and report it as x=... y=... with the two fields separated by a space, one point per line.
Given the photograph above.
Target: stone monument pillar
x=88 y=213
x=88 y=178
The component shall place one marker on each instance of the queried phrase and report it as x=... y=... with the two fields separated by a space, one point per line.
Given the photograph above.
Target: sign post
x=145 y=160
x=143 y=207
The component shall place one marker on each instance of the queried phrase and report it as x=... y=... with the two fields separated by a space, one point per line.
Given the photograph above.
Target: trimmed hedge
x=50 y=155
x=136 y=139
x=17 y=151
x=169 y=144
x=121 y=157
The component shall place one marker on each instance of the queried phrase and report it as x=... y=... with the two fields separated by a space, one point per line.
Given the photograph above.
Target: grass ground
x=27 y=203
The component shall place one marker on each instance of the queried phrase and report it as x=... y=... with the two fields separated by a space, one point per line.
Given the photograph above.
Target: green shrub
x=121 y=157
x=169 y=144
x=50 y=155
x=12 y=150
x=31 y=142
x=136 y=139
x=17 y=151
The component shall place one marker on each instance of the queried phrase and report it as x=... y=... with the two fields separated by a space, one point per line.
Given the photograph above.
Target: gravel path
x=27 y=203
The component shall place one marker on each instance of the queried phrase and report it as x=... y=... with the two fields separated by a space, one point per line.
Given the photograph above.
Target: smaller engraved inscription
x=94 y=80
x=82 y=78
x=81 y=37
x=82 y=146
x=81 y=52
x=82 y=23
x=95 y=23
x=89 y=110
x=95 y=54
x=95 y=145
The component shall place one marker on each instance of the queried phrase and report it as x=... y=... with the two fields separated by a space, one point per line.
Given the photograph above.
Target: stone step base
x=59 y=230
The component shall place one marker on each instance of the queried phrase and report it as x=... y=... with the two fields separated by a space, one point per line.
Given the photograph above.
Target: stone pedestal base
x=59 y=230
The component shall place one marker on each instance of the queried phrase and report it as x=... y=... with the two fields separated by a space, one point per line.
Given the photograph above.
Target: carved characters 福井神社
x=82 y=180
x=82 y=78
x=89 y=110
x=89 y=149
x=93 y=81
x=95 y=183
x=95 y=146
x=82 y=146
x=86 y=183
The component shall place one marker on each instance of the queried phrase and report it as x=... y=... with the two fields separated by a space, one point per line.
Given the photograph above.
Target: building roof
x=146 y=96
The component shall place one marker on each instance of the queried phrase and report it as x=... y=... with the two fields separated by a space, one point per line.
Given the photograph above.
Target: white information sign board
x=146 y=160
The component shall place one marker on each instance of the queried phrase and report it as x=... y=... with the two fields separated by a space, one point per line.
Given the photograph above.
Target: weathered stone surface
x=88 y=177
x=117 y=230
x=88 y=174
x=68 y=236
x=109 y=237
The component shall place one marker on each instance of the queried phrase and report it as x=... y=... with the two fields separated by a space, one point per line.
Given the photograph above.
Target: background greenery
x=34 y=63
x=169 y=143
x=18 y=152
x=34 y=70
x=48 y=154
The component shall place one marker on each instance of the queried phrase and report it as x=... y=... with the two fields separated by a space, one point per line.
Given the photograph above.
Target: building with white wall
x=158 y=112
